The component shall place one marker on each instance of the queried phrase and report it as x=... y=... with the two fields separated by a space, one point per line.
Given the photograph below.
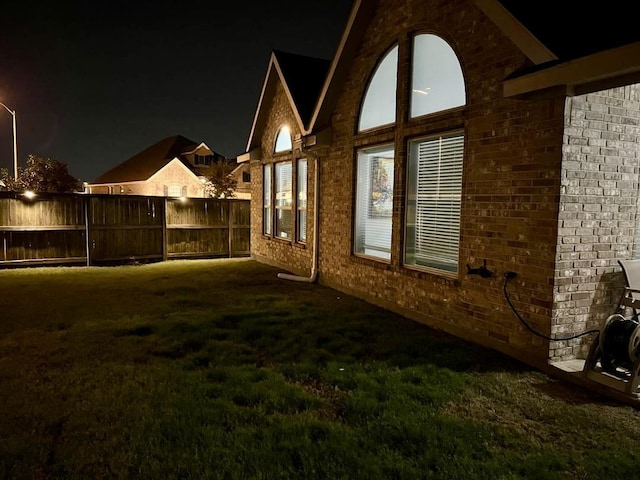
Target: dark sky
x=94 y=83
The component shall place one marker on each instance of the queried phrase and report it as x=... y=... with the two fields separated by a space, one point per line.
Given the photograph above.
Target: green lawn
x=218 y=369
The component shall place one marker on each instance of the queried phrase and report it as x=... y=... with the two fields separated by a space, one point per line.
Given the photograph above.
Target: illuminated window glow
x=283 y=140
x=437 y=83
x=379 y=104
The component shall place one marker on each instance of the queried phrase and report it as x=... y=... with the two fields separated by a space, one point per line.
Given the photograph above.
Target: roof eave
x=274 y=72
x=526 y=41
x=347 y=49
x=609 y=69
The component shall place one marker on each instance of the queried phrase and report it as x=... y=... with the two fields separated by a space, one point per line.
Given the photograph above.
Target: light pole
x=15 y=142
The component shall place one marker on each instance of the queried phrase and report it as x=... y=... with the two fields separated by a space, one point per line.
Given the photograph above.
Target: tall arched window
x=379 y=104
x=435 y=163
x=437 y=82
x=283 y=140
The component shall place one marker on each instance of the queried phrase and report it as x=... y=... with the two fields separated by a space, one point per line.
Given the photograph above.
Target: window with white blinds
x=434 y=191
x=301 y=188
x=374 y=202
x=284 y=200
x=266 y=201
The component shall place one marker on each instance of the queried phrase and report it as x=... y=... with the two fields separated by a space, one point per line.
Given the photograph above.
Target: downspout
x=316 y=236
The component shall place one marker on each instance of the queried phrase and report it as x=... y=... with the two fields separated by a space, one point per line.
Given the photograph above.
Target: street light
x=15 y=142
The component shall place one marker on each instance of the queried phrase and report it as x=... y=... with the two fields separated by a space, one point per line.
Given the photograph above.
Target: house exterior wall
x=243 y=187
x=267 y=248
x=510 y=185
x=550 y=192
x=174 y=173
x=598 y=212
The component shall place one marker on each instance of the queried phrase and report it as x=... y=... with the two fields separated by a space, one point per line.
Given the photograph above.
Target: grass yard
x=217 y=369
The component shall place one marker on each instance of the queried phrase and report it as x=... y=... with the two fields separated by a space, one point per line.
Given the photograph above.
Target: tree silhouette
x=41 y=175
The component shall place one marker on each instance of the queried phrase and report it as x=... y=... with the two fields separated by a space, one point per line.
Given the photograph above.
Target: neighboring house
x=174 y=167
x=449 y=136
x=242 y=175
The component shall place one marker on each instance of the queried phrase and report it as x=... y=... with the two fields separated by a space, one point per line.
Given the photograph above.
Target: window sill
x=426 y=272
x=376 y=262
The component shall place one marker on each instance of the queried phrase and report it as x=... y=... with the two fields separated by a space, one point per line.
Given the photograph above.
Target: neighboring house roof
x=302 y=78
x=143 y=165
x=573 y=47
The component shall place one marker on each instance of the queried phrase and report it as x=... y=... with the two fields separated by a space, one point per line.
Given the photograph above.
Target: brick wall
x=296 y=256
x=510 y=185
x=598 y=210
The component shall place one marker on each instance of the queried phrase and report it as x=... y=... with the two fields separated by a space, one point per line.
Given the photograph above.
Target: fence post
x=87 y=229
x=230 y=223
x=164 y=231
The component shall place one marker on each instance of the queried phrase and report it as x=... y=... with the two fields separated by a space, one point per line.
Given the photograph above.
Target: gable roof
x=571 y=47
x=302 y=78
x=144 y=164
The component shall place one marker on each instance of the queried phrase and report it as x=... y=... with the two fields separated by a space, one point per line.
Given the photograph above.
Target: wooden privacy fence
x=58 y=229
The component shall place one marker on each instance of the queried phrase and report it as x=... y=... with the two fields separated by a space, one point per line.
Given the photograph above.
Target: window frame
x=300 y=224
x=411 y=78
x=283 y=207
x=359 y=228
x=288 y=147
x=267 y=200
x=407 y=217
x=363 y=100
x=398 y=135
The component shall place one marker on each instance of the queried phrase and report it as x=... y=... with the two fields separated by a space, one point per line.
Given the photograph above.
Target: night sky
x=94 y=83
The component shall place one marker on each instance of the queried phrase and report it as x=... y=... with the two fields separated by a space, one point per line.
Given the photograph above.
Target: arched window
x=283 y=140
x=437 y=82
x=379 y=104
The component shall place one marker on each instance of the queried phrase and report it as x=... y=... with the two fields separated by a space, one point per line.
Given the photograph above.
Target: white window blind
x=301 y=187
x=434 y=187
x=266 y=202
x=284 y=215
x=374 y=202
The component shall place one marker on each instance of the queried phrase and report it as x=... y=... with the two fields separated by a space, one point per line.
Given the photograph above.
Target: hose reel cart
x=614 y=356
